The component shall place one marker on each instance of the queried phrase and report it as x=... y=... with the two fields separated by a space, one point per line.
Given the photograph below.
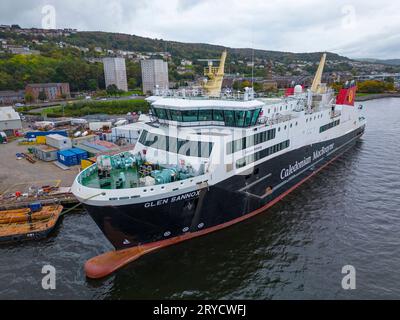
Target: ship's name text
x=160 y=202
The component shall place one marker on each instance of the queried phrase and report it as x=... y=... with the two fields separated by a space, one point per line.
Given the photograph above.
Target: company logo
x=351 y=96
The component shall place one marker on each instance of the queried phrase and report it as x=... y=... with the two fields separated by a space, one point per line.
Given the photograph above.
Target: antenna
x=252 y=58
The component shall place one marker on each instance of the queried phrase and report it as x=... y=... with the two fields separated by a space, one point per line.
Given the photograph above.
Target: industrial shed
x=10 y=121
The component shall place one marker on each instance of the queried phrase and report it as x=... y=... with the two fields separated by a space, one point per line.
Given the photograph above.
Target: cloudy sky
x=355 y=28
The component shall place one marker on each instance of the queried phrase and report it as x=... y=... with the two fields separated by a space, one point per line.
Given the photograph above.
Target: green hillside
x=62 y=59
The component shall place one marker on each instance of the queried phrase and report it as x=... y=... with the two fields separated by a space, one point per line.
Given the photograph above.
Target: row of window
x=262 y=154
x=250 y=141
x=329 y=126
x=176 y=145
x=231 y=118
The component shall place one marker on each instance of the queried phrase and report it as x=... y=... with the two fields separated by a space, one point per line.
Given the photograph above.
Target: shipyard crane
x=213 y=84
x=316 y=86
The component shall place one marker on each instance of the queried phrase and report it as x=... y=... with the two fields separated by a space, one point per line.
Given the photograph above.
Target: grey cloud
x=291 y=25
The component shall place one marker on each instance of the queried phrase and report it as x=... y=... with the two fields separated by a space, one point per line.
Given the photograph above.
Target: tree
x=42 y=95
x=336 y=86
x=28 y=98
x=112 y=90
x=236 y=85
x=258 y=87
x=245 y=83
x=92 y=84
x=132 y=83
x=375 y=86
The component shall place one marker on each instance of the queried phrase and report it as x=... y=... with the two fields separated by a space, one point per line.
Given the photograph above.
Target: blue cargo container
x=67 y=158
x=81 y=154
x=34 y=134
x=35 y=206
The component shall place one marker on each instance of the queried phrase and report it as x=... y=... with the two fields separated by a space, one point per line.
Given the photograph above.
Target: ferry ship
x=203 y=163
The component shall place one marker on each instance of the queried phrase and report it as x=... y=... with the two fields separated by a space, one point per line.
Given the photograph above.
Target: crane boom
x=316 y=85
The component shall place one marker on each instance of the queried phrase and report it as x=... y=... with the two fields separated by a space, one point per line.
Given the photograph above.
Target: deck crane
x=213 y=84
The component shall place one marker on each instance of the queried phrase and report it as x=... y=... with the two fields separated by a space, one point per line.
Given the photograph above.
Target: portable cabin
x=58 y=141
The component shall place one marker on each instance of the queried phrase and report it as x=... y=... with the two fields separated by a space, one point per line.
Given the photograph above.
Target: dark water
x=347 y=214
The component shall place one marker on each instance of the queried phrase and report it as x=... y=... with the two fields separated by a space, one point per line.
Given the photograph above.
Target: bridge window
x=218 y=115
x=190 y=115
x=229 y=118
x=176 y=115
x=161 y=113
x=255 y=116
x=239 y=118
x=248 y=118
x=232 y=118
x=205 y=115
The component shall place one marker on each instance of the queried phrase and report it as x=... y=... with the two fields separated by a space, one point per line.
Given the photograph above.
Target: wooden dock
x=66 y=199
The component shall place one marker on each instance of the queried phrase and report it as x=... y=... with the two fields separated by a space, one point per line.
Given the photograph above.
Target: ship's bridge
x=207 y=112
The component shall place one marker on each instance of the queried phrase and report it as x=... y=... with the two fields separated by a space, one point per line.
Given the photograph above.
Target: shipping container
x=81 y=154
x=35 y=134
x=58 y=141
x=45 y=153
x=67 y=158
x=35 y=206
x=96 y=126
x=41 y=139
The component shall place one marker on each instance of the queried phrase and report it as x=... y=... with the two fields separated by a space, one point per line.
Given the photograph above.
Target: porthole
x=167 y=234
x=185 y=229
x=200 y=225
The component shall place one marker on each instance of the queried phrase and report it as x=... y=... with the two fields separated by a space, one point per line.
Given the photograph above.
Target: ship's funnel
x=316 y=85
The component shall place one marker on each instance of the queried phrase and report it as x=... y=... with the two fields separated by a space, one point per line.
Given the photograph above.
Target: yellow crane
x=316 y=86
x=213 y=84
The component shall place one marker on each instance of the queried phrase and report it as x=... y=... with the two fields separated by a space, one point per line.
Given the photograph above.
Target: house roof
x=8 y=114
x=9 y=93
x=45 y=85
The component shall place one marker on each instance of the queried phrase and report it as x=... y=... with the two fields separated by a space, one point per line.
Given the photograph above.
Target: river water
x=348 y=214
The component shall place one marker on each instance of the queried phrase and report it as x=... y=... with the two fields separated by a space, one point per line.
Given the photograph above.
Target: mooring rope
x=77 y=205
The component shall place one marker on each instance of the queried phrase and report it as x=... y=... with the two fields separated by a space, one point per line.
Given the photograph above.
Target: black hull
x=219 y=205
